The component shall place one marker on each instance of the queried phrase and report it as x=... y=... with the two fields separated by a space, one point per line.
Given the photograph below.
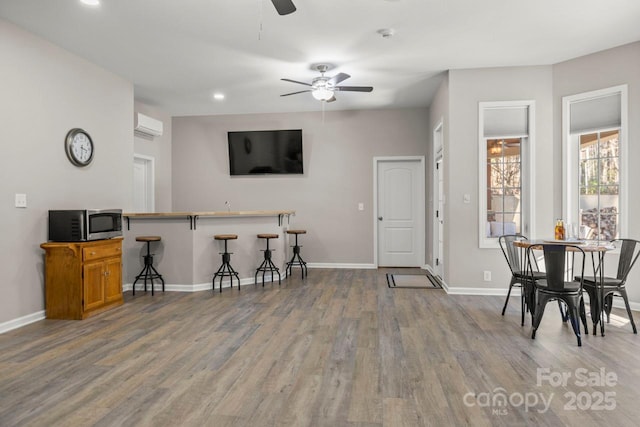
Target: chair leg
x=564 y=314
x=541 y=302
x=623 y=294
x=574 y=318
x=608 y=302
x=506 y=301
x=522 y=305
x=595 y=310
x=583 y=316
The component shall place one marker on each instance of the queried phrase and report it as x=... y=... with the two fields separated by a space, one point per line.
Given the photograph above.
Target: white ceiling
x=179 y=52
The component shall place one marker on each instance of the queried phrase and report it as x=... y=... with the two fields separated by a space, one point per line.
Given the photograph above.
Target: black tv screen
x=265 y=152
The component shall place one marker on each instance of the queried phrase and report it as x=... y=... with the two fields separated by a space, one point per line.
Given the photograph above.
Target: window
x=504 y=189
x=599 y=178
x=594 y=171
x=505 y=160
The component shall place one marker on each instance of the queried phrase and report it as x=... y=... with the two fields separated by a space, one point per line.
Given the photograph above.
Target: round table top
x=585 y=245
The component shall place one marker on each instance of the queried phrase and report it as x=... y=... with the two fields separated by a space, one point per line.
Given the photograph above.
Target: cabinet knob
x=93 y=253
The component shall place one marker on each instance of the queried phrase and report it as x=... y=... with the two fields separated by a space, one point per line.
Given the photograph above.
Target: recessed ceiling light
x=218 y=96
x=91 y=2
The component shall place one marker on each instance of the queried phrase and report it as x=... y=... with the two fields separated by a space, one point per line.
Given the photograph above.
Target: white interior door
x=400 y=213
x=143 y=184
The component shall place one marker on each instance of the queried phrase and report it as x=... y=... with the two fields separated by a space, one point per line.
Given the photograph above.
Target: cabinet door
x=93 y=288
x=112 y=280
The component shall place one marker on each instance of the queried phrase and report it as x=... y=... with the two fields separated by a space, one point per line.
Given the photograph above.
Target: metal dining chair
x=515 y=257
x=564 y=279
x=615 y=286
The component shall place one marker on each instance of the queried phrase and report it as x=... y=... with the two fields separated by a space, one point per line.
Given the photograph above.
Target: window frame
x=571 y=155
x=527 y=160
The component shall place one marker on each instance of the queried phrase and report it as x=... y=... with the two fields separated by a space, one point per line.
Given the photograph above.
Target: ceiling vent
x=147 y=126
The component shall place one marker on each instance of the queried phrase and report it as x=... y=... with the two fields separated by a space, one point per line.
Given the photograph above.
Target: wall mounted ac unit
x=147 y=125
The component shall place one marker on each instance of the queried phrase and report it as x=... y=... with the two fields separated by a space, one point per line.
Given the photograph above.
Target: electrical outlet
x=487 y=276
x=21 y=200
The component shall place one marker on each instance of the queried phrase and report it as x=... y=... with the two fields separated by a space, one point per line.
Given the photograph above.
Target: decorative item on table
x=559 y=232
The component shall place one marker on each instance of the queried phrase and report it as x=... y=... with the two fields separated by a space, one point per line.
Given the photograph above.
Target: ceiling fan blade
x=340 y=77
x=295 y=81
x=333 y=98
x=353 y=88
x=284 y=7
x=295 y=93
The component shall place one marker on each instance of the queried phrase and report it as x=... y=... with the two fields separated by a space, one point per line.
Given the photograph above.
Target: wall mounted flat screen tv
x=265 y=152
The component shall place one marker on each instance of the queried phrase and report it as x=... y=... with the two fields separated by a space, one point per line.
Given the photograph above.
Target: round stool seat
x=267 y=236
x=225 y=236
x=296 y=231
x=148 y=238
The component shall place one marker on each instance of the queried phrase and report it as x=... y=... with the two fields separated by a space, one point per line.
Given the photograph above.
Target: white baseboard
x=341 y=265
x=21 y=321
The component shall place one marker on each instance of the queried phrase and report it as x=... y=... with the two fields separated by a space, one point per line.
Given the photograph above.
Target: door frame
x=420 y=197
x=438 y=156
x=151 y=179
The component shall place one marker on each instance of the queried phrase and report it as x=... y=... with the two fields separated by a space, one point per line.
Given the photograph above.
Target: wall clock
x=79 y=147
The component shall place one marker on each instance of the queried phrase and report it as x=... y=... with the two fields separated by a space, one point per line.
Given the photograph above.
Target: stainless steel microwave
x=83 y=225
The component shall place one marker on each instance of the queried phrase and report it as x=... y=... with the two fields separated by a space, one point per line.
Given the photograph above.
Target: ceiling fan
x=323 y=87
x=284 y=7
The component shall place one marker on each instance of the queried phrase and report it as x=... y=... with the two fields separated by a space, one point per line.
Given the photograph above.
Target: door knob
x=379 y=218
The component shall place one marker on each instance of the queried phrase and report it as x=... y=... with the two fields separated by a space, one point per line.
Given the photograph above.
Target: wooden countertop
x=206 y=214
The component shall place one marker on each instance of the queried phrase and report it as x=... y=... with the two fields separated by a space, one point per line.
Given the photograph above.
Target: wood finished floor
x=338 y=349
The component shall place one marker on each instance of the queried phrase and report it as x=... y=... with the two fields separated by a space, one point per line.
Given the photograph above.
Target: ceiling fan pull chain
x=260 y=3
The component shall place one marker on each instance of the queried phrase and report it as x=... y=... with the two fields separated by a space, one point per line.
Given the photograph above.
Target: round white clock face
x=79 y=147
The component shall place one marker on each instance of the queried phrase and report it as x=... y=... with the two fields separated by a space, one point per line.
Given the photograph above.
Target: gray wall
x=159 y=148
x=597 y=71
x=45 y=92
x=546 y=85
x=466 y=89
x=338 y=164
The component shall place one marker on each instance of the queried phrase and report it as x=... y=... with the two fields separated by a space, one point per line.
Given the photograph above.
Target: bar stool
x=267 y=265
x=296 y=259
x=225 y=269
x=148 y=272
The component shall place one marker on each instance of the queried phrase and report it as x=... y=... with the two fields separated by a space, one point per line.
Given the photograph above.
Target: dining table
x=596 y=248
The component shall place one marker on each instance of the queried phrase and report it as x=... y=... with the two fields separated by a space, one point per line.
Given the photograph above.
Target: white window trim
x=571 y=193
x=528 y=166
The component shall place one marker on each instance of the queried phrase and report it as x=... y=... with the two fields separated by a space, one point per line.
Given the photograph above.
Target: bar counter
x=188 y=256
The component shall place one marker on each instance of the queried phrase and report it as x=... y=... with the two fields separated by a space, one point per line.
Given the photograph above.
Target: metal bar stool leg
x=267 y=265
x=225 y=269
x=148 y=272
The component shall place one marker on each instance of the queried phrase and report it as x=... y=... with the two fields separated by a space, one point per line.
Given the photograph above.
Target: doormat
x=415 y=281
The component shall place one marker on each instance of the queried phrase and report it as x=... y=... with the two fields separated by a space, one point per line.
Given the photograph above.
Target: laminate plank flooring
x=336 y=349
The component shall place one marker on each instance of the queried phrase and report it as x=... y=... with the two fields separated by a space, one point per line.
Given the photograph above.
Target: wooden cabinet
x=82 y=278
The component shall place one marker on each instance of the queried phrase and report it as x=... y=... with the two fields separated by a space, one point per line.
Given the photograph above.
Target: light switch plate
x=21 y=200
x=466 y=198
x=360 y=206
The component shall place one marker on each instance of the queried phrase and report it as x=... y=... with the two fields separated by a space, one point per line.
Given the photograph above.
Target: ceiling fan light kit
x=322 y=88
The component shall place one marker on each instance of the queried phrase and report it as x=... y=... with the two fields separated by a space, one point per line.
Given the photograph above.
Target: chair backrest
x=512 y=254
x=629 y=251
x=559 y=262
